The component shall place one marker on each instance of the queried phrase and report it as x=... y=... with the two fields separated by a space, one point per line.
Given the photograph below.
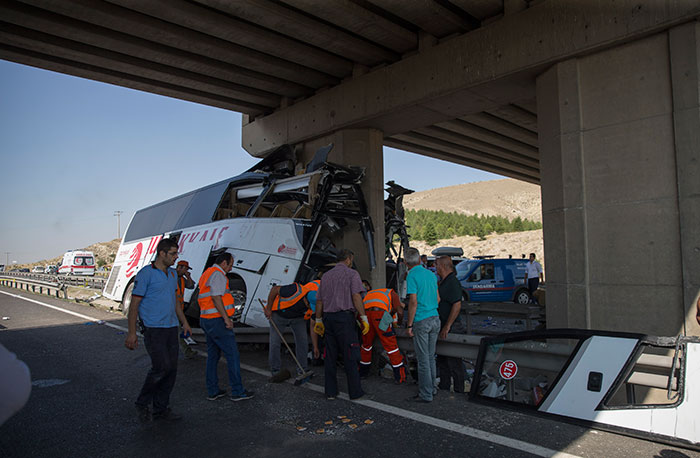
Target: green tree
x=518 y=225
x=429 y=234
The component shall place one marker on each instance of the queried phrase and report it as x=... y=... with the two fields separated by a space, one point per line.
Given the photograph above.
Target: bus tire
x=239 y=293
x=126 y=298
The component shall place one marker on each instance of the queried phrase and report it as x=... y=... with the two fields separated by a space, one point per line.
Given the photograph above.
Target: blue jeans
x=220 y=339
x=425 y=334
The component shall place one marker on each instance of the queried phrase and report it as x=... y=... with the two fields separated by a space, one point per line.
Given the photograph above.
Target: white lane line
x=79 y=315
x=408 y=414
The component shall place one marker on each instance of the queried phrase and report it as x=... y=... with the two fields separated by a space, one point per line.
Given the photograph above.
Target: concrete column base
x=360 y=147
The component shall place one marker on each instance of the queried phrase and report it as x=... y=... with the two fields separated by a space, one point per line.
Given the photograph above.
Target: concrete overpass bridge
x=596 y=101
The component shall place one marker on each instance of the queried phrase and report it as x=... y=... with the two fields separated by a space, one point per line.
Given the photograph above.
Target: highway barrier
x=35 y=286
x=72 y=280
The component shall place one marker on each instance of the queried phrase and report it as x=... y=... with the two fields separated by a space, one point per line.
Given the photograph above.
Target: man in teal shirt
x=423 y=322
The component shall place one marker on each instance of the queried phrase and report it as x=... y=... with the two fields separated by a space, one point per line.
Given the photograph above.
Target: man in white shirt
x=533 y=275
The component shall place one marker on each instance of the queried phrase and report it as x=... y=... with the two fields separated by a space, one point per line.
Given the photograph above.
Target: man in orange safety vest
x=215 y=311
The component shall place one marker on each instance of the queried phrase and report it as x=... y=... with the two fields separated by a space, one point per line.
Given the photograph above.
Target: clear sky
x=73 y=151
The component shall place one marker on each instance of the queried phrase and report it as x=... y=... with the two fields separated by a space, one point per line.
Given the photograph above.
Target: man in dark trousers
x=184 y=281
x=153 y=302
x=449 y=368
x=339 y=297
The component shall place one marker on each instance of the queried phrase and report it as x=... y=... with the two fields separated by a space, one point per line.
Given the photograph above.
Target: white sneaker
x=190 y=341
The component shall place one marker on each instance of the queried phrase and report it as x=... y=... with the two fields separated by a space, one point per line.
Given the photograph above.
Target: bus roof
x=187 y=210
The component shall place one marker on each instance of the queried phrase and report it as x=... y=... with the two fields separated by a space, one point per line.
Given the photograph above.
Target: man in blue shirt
x=423 y=322
x=153 y=303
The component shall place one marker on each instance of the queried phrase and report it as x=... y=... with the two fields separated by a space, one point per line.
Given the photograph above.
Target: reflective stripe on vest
x=286 y=302
x=180 y=292
x=206 y=303
x=378 y=298
x=312 y=285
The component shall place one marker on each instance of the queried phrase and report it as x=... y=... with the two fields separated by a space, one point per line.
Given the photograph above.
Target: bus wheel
x=126 y=298
x=238 y=291
x=522 y=297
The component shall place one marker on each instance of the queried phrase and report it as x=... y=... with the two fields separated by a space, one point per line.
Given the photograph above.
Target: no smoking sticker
x=508 y=369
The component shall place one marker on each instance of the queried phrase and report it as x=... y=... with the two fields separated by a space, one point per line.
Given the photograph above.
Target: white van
x=77 y=262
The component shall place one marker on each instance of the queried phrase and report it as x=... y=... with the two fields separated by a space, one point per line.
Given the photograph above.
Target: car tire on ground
x=522 y=297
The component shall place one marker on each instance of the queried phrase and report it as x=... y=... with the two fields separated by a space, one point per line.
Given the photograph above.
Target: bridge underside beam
x=480 y=77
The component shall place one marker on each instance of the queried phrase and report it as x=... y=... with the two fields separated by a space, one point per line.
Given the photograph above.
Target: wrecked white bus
x=280 y=227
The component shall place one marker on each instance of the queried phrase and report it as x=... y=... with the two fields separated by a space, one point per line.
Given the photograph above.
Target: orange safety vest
x=311 y=286
x=206 y=303
x=180 y=292
x=378 y=298
x=284 y=303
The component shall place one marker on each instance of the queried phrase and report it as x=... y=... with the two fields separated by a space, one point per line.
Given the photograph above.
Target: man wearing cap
x=184 y=281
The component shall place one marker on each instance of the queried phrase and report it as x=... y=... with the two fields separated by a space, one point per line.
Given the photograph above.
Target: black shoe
x=417 y=398
x=167 y=415
x=144 y=414
x=330 y=398
x=218 y=395
x=242 y=397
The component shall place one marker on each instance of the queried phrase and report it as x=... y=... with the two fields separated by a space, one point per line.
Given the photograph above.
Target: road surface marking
x=79 y=315
x=399 y=412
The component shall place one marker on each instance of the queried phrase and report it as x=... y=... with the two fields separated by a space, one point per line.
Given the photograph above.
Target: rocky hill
x=507 y=197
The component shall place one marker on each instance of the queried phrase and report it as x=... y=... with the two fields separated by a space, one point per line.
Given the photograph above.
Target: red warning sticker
x=508 y=369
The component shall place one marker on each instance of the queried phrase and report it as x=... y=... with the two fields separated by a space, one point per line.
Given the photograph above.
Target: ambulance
x=76 y=262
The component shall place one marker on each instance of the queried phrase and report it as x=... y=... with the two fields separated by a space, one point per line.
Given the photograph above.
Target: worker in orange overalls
x=184 y=281
x=382 y=305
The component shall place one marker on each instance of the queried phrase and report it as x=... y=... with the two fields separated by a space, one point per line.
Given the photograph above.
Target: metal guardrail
x=73 y=280
x=35 y=286
x=533 y=355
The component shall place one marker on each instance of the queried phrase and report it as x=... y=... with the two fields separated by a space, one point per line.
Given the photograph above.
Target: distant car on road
x=37 y=270
x=50 y=269
x=24 y=269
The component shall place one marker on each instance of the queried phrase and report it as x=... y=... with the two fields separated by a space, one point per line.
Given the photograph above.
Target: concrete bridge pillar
x=360 y=147
x=619 y=135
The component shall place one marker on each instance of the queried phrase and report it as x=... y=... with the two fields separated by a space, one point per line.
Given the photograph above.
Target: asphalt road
x=85 y=383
